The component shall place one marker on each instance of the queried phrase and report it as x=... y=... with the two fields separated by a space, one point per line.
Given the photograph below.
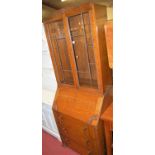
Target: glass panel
x=81 y=36
x=80 y=54
x=61 y=58
x=76 y=26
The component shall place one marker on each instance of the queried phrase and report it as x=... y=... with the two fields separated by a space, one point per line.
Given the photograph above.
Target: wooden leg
x=108 y=137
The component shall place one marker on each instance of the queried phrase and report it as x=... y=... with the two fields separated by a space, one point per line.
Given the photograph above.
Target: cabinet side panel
x=106 y=71
x=100 y=16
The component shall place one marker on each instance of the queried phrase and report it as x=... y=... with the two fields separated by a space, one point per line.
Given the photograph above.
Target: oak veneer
x=79 y=56
x=107 y=117
x=109 y=41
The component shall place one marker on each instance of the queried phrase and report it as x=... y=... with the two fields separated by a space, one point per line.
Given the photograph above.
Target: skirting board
x=52 y=133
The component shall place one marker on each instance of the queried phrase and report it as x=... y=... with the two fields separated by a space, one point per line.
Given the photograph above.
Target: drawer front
x=75 y=130
x=78 y=148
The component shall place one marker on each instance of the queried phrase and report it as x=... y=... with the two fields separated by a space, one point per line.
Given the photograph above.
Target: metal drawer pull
x=90 y=153
x=61 y=122
x=60 y=117
x=85 y=129
x=87 y=142
x=64 y=130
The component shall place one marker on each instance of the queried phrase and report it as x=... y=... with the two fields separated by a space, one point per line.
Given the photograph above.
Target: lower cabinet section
x=77 y=135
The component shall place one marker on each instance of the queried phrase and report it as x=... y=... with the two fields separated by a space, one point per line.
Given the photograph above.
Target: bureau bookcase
x=78 y=51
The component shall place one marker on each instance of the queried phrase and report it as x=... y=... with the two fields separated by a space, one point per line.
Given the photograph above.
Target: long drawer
x=78 y=148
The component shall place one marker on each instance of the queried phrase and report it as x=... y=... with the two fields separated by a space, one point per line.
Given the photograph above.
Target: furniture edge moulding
x=100 y=18
x=51 y=53
x=109 y=41
x=70 y=51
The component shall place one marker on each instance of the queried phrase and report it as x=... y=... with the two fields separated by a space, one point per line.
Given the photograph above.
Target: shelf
x=58 y=38
x=90 y=45
x=93 y=63
x=67 y=82
x=88 y=82
x=83 y=72
x=82 y=27
x=64 y=70
x=78 y=35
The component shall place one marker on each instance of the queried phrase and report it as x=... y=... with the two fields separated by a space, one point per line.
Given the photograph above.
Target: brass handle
x=85 y=129
x=87 y=142
x=60 y=121
x=64 y=129
x=89 y=152
x=60 y=118
x=77 y=56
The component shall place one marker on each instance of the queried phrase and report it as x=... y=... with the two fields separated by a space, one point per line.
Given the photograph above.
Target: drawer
x=78 y=148
x=75 y=130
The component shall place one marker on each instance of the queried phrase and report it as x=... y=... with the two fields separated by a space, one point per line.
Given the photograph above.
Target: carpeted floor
x=51 y=146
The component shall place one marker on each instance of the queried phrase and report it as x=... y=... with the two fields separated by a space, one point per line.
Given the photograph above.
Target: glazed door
x=81 y=36
x=59 y=46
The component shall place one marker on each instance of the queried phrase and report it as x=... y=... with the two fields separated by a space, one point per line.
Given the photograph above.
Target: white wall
x=49 y=86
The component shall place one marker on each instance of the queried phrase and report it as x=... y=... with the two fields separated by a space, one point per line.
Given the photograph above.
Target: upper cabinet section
x=78 y=47
x=60 y=53
x=81 y=37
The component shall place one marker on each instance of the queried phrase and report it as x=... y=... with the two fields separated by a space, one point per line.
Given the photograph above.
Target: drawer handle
x=85 y=129
x=87 y=142
x=90 y=153
x=64 y=130
x=60 y=121
x=60 y=117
